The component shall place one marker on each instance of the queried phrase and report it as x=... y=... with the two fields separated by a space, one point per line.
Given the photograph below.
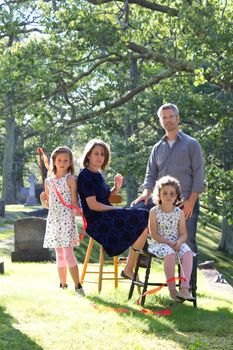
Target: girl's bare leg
x=75 y=275
x=62 y=272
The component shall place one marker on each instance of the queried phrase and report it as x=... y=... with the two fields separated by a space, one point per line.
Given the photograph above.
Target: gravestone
x=23 y=194
x=32 y=200
x=29 y=238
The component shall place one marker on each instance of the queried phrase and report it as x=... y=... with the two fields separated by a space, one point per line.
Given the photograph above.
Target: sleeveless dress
x=60 y=228
x=116 y=230
x=167 y=228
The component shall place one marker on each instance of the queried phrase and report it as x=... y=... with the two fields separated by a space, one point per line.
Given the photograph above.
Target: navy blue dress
x=116 y=230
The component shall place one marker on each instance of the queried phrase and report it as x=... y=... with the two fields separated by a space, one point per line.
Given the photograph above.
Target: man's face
x=169 y=120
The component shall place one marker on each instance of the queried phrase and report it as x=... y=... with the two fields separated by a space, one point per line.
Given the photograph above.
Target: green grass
x=35 y=314
x=209 y=234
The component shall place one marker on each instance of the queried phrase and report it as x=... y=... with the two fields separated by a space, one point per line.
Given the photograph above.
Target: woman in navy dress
x=116 y=229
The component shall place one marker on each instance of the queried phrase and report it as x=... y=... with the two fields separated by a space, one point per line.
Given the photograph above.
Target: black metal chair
x=144 y=260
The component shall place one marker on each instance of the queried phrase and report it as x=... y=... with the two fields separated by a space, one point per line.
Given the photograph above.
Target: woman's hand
x=118 y=181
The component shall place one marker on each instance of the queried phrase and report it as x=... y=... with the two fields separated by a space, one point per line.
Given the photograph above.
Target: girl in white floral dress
x=168 y=229
x=61 y=233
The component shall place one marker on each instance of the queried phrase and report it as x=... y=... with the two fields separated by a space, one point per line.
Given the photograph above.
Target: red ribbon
x=165 y=312
x=155 y=290
x=71 y=206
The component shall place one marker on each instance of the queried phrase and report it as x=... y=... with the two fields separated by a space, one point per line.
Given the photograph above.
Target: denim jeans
x=191 y=225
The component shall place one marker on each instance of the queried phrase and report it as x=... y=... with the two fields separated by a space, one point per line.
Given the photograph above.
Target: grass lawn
x=36 y=314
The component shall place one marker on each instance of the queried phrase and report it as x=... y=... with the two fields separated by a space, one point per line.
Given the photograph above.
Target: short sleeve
x=86 y=184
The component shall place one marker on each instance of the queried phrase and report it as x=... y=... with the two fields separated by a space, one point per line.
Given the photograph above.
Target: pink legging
x=65 y=257
x=187 y=265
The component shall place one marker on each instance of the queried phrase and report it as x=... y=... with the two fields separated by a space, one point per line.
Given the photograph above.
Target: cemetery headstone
x=32 y=200
x=29 y=238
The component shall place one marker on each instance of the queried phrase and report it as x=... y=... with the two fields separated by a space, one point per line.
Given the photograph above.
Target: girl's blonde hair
x=88 y=149
x=55 y=153
x=167 y=181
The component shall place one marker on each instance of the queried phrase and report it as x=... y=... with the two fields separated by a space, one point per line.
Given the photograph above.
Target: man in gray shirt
x=180 y=156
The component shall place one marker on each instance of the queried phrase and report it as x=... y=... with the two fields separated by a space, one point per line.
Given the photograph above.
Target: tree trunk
x=130 y=129
x=131 y=188
x=19 y=160
x=8 y=189
x=226 y=243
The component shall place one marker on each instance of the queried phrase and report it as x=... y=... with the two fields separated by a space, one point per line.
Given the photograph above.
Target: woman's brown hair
x=88 y=149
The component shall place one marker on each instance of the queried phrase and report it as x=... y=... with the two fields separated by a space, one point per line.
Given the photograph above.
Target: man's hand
x=187 y=207
x=143 y=198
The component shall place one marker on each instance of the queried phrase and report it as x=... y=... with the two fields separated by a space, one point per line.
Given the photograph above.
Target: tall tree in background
x=75 y=72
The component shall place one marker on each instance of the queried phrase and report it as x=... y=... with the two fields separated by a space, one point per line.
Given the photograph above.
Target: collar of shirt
x=179 y=136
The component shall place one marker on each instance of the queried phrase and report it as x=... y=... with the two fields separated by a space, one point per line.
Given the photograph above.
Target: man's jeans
x=191 y=225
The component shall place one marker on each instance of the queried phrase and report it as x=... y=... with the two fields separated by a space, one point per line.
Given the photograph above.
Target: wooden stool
x=146 y=282
x=114 y=199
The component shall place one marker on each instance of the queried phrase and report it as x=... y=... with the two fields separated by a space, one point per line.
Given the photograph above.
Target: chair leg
x=131 y=290
x=194 y=280
x=87 y=257
x=146 y=281
x=101 y=264
x=115 y=259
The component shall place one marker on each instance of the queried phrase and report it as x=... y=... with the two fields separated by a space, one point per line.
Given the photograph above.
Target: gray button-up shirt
x=183 y=160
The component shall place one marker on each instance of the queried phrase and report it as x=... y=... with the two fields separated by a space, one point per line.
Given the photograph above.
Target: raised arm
x=118 y=180
x=44 y=197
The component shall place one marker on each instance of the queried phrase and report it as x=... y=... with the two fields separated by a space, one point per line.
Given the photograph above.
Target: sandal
x=184 y=294
x=173 y=296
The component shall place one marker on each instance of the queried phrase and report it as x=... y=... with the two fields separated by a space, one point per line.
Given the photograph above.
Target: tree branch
x=143 y=3
x=168 y=61
x=124 y=98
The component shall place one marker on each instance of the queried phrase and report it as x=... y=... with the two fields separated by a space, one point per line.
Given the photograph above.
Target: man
x=180 y=156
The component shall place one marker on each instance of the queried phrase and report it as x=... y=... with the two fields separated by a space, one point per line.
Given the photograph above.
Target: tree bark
x=8 y=190
x=130 y=129
x=226 y=243
x=131 y=188
x=19 y=160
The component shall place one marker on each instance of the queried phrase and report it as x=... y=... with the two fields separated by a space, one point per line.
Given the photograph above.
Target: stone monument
x=32 y=200
x=29 y=238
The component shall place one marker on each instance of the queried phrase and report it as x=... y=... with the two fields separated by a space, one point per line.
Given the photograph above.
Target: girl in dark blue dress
x=116 y=229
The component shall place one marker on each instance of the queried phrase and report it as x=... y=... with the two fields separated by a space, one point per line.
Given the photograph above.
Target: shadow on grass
x=12 y=338
x=208 y=237
x=184 y=318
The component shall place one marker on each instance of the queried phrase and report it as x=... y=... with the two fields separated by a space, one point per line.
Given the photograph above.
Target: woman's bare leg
x=138 y=244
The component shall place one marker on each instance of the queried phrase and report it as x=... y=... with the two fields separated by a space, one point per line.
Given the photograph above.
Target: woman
x=116 y=229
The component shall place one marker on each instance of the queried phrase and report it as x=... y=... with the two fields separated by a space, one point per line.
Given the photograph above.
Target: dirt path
x=216 y=282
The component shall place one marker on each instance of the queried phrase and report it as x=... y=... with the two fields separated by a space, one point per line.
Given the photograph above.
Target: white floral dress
x=168 y=227
x=61 y=229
